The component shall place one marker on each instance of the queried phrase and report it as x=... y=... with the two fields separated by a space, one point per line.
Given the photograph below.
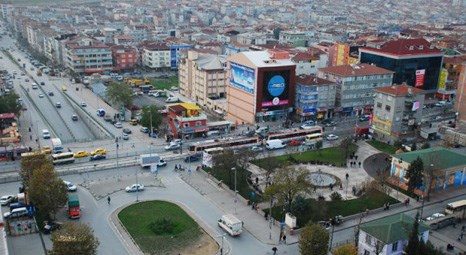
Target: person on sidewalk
x=284 y=238
x=274 y=249
x=108 y=199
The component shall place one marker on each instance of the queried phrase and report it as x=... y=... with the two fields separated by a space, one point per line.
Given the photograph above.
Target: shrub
x=335 y=196
x=163 y=226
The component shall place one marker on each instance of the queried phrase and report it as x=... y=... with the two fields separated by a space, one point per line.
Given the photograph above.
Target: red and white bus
x=299 y=134
x=226 y=143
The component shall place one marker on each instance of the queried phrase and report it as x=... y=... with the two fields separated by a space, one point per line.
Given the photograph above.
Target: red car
x=295 y=143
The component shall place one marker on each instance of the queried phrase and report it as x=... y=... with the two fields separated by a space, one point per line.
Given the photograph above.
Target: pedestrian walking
x=274 y=249
x=359 y=163
x=108 y=199
x=284 y=238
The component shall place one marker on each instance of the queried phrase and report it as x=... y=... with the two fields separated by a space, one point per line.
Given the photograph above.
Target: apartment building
x=124 y=57
x=85 y=55
x=354 y=86
x=315 y=97
x=156 y=56
x=309 y=62
x=397 y=112
x=203 y=78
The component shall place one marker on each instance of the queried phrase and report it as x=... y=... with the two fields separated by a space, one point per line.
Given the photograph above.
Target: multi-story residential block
x=315 y=97
x=397 y=112
x=341 y=54
x=296 y=38
x=354 y=86
x=261 y=87
x=414 y=61
x=460 y=102
x=85 y=55
x=309 y=62
x=156 y=56
x=449 y=77
x=232 y=49
x=389 y=235
x=186 y=120
x=124 y=57
x=176 y=53
x=203 y=78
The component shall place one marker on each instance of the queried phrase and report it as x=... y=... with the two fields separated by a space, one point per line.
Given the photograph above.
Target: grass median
x=167 y=83
x=387 y=148
x=137 y=219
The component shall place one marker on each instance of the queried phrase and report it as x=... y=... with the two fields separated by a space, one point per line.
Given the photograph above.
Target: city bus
x=226 y=143
x=299 y=134
x=207 y=155
x=63 y=158
x=457 y=208
x=313 y=138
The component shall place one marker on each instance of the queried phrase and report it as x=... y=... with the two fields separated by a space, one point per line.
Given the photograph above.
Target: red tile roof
x=355 y=70
x=399 y=90
x=304 y=56
x=312 y=80
x=403 y=47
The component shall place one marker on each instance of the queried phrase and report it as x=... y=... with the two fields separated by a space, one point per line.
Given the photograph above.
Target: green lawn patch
x=324 y=210
x=137 y=219
x=334 y=156
x=228 y=178
x=387 y=148
x=165 y=83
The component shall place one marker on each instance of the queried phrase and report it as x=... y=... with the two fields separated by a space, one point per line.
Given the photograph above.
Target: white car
x=118 y=125
x=83 y=104
x=125 y=136
x=5 y=200
x=172 y=146
x=70 y=186
x=134 y=188
x=161 y=163
x=41 y=95
x=172 y=100
x=257 y=148
x=307 y=125
x=332 y=137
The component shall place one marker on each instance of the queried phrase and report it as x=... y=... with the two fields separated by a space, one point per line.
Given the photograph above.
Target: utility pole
x=236 y=192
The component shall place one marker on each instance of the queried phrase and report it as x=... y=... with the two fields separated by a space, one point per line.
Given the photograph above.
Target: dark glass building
x=414 y=61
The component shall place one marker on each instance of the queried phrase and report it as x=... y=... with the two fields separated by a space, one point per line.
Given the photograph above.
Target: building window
x=368 y=239
x=388 y=108
x=198 y=123
x=395 y=246
x=379 y=105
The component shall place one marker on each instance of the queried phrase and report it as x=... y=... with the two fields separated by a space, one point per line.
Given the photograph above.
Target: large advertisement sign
x=275 y=89
x=443 y=79
x=242 y=77
x=420 y=75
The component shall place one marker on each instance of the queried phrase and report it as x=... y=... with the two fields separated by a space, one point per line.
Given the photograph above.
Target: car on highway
x=134 y=188
x=58 y=105
x=41 y=95
x=332 y=137
x=42 y=83
x=74 y=117
x=81 y=154
x=34 y=86
x=161 y=163
x=46 y=149
x=51 y=94
x=97 y=157
x=127 y=131
x=83 y=104
x=99 y=151
x=172 y=146
x=70 y=186
x=6 y=200
x=192 y=158
x=118 y=125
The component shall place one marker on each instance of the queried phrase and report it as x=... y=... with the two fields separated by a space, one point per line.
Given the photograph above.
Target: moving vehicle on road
x=295 y=143
x=135 y=188
x=70 y=186
x=232 y=225
x=118 y=125
x=127 y=131
x=57 y=146
x=299 y=134
x=97 y=157
x=99 y=151
x=172 y=100
x=332 y=137
x=329 y=123
x=192 y=158
x=235 y=143
x=74 y=117
x=146 y=160
x=275 y=144
x=365 y=117
x=63 y=158
x=81 y=154
x=172 y=147
x=457 y=208
x=45 y=134
x=74 y=210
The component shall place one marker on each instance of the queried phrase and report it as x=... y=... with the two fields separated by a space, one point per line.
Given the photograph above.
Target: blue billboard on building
x=242 y=77
x=275 y=89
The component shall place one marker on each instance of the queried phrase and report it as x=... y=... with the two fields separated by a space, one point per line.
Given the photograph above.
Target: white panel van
x=275 y=144
x=232 y=225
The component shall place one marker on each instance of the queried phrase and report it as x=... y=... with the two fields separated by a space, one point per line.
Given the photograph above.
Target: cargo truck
x=74 y=211
x=146 y=160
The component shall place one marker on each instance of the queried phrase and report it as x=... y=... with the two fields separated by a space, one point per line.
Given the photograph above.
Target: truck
x=57 y=146
x=232 y=225
x=138 y=82
x=146 y=160
x=74 y=211
x=146 y=88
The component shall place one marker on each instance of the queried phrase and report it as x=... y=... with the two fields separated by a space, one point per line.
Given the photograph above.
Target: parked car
x=6 y=200
x=135 y=187
x=144 y=130
x=172 y=146
x=70 y=186
x=192 y=158
x=97 y=157
x=99 y=151
x=256 y=148
x=172 y=100
x=329 y=123
x=118 y=125
x=81 y=154
x=125 y=137
x=127 y=131
x=308 y=124
x=51 y=226
x=332 y=137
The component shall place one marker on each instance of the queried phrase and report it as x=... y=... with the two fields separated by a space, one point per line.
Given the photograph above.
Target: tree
x=46 y=191
x=346 y=249
x=9 y=104
x=300 y=208
x=147 y=112
x=29 y=164
x=314 y=240
x=414 y=174
x=269 y=165
x=414 y=245
x=74 y=238
x=319 y=145
x=346 y=144
x=120 y=94
x=288 y=182
x=224 y=162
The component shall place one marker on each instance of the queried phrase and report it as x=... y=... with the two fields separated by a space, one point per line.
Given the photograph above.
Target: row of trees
x=47 y=193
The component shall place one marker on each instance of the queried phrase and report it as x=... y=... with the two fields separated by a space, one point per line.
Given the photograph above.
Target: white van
x=45 y=134
x=232 y=225
x=275 y=144
x=16 y=213
x=172 y=100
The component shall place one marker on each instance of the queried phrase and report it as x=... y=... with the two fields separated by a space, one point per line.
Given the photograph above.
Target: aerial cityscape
x=233 y=127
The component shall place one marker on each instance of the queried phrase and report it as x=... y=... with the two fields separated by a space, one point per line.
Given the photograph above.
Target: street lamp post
x=221 y=248
x=137 y=187
x=236 y=192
